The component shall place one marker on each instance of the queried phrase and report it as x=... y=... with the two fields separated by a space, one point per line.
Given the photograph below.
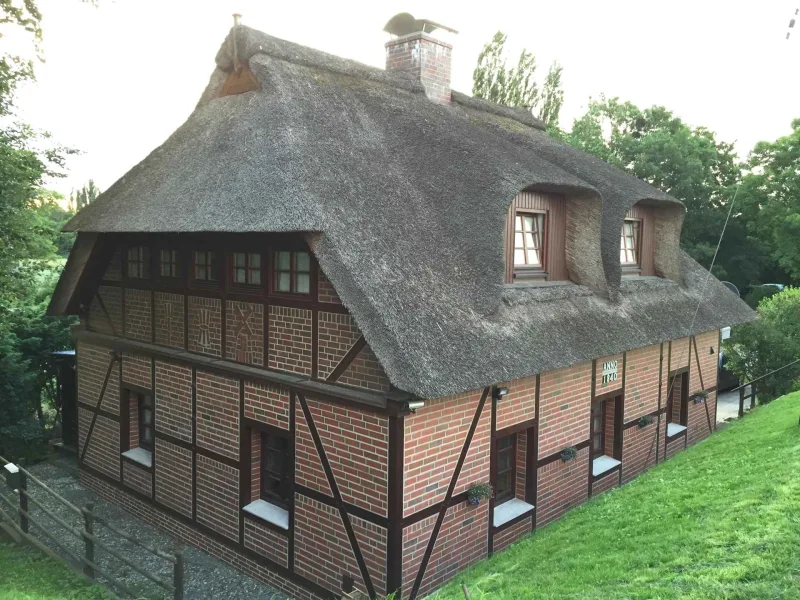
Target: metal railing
x=19 y=478
x=751 y=395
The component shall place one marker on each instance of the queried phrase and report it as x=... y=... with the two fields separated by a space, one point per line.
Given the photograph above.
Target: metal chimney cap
x=404 y=24
x=237 y=19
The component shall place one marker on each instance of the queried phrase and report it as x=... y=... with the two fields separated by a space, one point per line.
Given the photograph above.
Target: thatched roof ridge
x=407 y=200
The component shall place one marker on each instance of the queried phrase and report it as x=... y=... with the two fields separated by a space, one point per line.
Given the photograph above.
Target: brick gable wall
x=205 y=325
x=290 y=339
x=169 y=313
x=138 y=315
x=266 y=403
x=218 y=414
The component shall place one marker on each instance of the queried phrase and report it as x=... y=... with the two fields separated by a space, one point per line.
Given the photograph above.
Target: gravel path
x=205 y=576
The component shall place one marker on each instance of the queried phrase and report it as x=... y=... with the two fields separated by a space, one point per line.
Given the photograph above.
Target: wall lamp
x=499 y=392
x=414 y=405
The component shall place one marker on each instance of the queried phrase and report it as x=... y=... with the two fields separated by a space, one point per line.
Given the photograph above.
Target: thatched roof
x=404 y=201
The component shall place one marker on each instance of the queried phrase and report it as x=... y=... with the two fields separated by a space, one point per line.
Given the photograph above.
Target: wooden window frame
x=293 y=273
x=632 y=268
x=509 y=494
x=142 y=424
x=281 y=497
x=173 y=262
x=602 y=433
x=208 y=253
x=523 y=273
x=248 y=269
x=143 y=259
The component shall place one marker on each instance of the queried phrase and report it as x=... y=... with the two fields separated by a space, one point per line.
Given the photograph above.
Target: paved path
x=728 y=405
x=206 y=577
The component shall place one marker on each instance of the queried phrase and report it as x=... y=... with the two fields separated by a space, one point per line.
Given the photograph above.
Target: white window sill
x=512 y=509
x=603 y=464
x=140 y=455
x=675 y=429
x=269 y=512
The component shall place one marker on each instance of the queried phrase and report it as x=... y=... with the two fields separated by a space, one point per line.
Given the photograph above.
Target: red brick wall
x=641 y=381
x=266 y=403
x=511 y=534
x=608 y=450
x=605 y=483
x=561 y=486
x=357 y=446
x=138 y=315
x=205 y=325
x=174 y=400
x=326 y=291
x=366 y=371
x=180 y=530
x=94 y=361
x=244 y=332
x=217 y=426
x=680 y=354
x=169 y=319
x=565 y=397
x=255 y=464
x=102 y=452
x=290 y=339
x=522 y=447
x=218 y=497
x=266 y=541
x=519 y=405
x=638 y=450
x=174 y=477
x=133 y=419
x=337 y=334
x=137 y=370
x=137 y=478
x=307 y=463
x=609 y=386
x=98 y=319
x=372 y=543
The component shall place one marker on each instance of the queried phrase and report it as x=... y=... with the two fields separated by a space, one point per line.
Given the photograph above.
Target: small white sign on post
x=609 y=371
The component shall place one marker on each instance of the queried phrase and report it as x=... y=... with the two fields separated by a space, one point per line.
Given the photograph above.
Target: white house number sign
x=609 y=371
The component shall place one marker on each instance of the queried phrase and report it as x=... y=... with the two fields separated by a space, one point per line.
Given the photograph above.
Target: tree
x=84 y=196
x=687 y=162
x=516 y=86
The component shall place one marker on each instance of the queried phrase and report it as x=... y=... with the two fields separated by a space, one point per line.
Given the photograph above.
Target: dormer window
x=535 y=236
x=528 y=241
x=629 y=244
x=138 y=262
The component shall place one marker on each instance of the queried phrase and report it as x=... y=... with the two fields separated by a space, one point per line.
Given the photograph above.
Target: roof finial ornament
x=237 y=66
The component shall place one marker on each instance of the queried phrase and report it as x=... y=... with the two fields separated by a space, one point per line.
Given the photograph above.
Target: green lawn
x=720 y=520
x=27 y=574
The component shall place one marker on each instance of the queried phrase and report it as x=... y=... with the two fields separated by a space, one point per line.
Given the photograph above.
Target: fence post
x=23 y=501
x=741 y=402
x=88 y=543
x=752 y=395
x=177 y=576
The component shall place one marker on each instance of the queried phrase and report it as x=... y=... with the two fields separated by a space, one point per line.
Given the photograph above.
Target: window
x=138 y=258
x=146 y=422
x=292 y=272
x=274 y=468
x=598 y=426
x=629 y=243
x=246 y=268
x=205 y=266
x=169 y=263
x=505 y=474
x=528 y=248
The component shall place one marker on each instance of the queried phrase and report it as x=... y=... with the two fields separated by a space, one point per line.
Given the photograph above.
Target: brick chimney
x=417 y=52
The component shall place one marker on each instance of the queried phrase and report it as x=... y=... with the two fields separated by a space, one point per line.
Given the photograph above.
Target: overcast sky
x=118 y=79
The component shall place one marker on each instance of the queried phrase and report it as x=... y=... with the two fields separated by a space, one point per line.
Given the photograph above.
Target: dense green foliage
x=760 y=347
x=516 y=86
x=26 y=574
x=718 y=520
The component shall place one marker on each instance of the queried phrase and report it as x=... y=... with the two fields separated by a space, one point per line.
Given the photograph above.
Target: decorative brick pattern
x=511 y=534
x=307 y=463
x=114 y=270
x=174 y=400
x=93 y=364
x=612 y=385
x=462 y=541
x=101 y=321
x=174 y=477
x=519 y=405
x=169 y=319
x=267 y=542
x=138 y=315
x=218 y=497
x=565 y=397
x=366 y=371
x=205 y=325
x=137 y=370
x=322 y=551
x=290 y=339
x=217 y=426
x=337 y=334
x=102 y=452
x=137 y=478
x=561 y=486
x=326 y=291
x=158 y=518
x=266 y=403
x=638 y=450
x=357 y=446
x=244 y=332
x=434 y=437
x=641 y=381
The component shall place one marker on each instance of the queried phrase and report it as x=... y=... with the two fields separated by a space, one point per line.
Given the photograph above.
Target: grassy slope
x=720 y=520
x=27 y=574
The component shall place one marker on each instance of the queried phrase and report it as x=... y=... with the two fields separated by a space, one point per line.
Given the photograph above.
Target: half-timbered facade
x=339 y=297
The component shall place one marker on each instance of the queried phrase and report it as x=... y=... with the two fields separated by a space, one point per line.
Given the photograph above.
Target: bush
x=773 y=341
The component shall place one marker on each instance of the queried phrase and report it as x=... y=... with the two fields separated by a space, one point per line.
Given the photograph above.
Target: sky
x=119 y=78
